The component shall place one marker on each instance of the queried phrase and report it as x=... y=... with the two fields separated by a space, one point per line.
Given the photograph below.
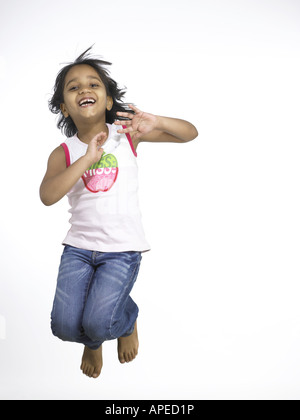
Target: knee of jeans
x=66 y=331
x=109 y=327
x=117 y=328
x=98 y=329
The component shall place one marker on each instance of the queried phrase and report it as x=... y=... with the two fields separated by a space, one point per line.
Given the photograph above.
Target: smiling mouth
x=86 y=102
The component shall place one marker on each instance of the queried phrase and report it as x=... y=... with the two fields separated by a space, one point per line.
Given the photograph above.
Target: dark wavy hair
x=66 y=125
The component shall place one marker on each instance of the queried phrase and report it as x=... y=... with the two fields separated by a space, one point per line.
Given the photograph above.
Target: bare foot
x=128 y=346
x=92 y=362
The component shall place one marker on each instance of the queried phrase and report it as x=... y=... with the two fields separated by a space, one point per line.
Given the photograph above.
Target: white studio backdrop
x=218 y=293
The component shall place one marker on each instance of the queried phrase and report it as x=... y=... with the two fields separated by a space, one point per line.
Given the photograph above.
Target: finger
x=125 y=130
x=129 y=115
x=134 y=108
x=100 y=138
x=124 y=122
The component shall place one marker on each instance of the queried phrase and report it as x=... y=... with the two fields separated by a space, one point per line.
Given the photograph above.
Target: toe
x=87 y=370
x=122 y=358
x=96 y=375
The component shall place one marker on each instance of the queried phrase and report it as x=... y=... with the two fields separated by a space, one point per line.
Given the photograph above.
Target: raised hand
x=94 y=150
x=139 y=123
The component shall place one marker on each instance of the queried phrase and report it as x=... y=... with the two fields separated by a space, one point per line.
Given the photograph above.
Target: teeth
x=86 y=101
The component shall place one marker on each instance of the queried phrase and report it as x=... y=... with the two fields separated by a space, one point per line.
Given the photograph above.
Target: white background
x=219 y=292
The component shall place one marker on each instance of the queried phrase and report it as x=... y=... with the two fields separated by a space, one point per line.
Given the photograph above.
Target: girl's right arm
x=59 y=179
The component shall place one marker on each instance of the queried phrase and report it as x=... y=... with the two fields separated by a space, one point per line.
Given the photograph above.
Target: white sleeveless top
x=104 y=202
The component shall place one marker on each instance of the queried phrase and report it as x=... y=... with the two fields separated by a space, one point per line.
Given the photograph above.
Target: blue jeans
x=92 y=302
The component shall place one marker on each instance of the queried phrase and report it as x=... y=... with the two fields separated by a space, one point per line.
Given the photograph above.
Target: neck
x=87 y=132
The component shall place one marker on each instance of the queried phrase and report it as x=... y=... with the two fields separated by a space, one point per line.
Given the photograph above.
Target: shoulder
x=57 y=158
x=57 y=153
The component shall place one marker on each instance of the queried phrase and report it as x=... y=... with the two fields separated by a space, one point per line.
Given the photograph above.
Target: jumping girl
x=96 y=167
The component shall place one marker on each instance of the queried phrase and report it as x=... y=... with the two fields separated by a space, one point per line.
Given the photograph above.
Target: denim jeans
x=92 y=302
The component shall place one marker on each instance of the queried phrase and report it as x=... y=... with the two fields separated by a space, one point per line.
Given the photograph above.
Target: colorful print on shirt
x=102 y=175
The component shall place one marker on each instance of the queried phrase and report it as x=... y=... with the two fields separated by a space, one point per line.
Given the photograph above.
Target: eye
x=94 y=85
x=73 y=88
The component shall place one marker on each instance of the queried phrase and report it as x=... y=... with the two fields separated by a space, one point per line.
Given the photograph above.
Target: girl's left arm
x=152 y=128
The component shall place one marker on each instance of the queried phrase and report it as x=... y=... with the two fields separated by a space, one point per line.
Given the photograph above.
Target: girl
x=96 y=168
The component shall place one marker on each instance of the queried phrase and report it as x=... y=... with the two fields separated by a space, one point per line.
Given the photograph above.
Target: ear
x=64 y=110
x=109 y=103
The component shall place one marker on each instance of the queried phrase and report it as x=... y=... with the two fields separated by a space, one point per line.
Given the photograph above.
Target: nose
x=84 y=90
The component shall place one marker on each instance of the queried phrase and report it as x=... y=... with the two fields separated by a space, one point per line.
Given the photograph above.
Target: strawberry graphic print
x=101 y=176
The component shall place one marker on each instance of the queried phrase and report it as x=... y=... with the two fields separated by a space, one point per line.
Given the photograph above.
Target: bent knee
x=97 y=330
x=66 y=331
x=105 y=329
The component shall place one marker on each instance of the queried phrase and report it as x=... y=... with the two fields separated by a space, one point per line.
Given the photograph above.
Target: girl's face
x=85 y=98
